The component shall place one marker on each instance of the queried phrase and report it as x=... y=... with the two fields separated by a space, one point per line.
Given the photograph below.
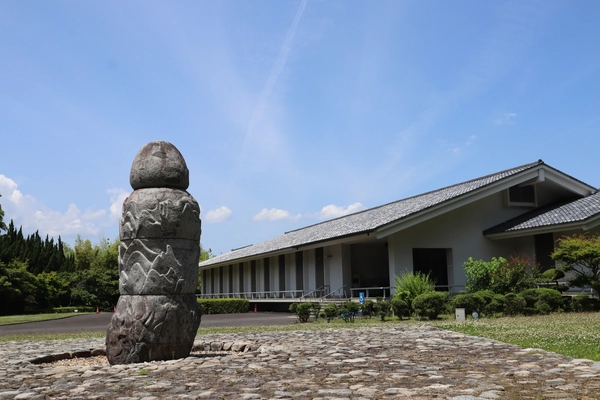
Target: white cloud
x=33 y=215
x=56 y=223
x=274 y=214
x=219 y=215
x=117 y=197
x=333 y=211
x=8 y=189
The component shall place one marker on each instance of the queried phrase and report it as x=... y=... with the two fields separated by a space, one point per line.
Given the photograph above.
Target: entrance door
x=433 y=262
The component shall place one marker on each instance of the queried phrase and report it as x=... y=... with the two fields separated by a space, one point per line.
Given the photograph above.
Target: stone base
x=152 y=328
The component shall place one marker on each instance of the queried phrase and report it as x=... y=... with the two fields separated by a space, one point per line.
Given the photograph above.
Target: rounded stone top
x=159 y=164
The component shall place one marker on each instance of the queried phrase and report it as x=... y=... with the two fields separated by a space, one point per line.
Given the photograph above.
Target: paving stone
x=357 y=363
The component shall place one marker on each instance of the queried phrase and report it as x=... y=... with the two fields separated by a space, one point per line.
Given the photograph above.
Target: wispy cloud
x=264 y=133
x=507 y=118
x=221 y=214
x=274 y=214
x=276 y=70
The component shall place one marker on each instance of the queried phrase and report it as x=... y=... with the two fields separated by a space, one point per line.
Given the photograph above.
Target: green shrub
x=552 y=274
x=223 y=306
x=485 y=302
x=303 y=311
x=542 y=308
x=535 y=297
x=513 y=304
x=349 y=311
x=430 y=304
x=382 y=309
x=500 y=275
x=581 y=302
x=409 y=285
x=496 y=306
x=480 y=273
x=330 y=312
x=552 y=297
x=489 y=302
x=399 y=306
x=468 y=301
x=594 y=305
x=368 y=308
x=315 y=309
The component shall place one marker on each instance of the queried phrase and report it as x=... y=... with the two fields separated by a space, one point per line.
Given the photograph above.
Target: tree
x=40 y=255
x=96 y=280
x=580 y=255
x=2 y=224
x=17 y=288
x=84 y=253
x=205 y=254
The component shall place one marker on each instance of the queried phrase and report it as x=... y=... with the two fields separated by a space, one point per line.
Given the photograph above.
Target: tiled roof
x=568 y=212
x=367 y=220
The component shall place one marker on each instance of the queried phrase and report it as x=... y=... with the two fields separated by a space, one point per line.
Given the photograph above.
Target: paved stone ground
x=409 y=362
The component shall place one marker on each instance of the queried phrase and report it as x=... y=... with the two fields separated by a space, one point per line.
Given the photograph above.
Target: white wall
x=460 y=230
x=290 y=270
x=308 y=260
x=333 y=266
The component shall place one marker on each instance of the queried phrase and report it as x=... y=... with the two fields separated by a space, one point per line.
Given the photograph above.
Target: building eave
x=583 y=226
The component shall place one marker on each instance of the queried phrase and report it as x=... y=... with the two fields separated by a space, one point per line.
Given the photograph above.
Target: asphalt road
x=99 y=322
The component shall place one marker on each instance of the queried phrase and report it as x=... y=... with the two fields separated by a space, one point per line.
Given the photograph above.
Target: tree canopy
x=40 y=273
x=2 y=224
x=580 y=255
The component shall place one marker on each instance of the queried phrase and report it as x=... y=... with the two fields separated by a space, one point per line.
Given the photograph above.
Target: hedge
x=71 y=309
x=223 y=306
x=430 y=304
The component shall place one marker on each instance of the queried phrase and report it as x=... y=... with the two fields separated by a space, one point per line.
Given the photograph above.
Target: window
x=432 y=262
x=521 y=195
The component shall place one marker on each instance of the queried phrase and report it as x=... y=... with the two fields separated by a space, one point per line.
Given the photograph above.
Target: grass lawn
x=572 y=334
x=18 y=319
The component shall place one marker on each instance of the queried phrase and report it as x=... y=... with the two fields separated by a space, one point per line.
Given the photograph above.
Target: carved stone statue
x=157 y=315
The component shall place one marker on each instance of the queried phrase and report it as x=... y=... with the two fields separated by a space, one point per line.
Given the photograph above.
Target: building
x=522 y=210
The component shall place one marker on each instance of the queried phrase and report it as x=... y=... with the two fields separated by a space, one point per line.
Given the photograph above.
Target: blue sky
x=288 y=113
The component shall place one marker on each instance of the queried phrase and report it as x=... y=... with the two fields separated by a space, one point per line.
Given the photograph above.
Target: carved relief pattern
x=148 y=328
x=160 y=213
x=145 y=270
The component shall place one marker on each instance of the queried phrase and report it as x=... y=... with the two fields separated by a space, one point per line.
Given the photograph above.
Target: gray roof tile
x=367 y=220
x=564 y=212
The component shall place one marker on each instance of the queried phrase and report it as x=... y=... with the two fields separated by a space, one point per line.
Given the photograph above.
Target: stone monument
x=157 y=315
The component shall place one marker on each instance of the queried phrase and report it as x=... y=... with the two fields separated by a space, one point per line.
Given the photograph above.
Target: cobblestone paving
x=409 y=362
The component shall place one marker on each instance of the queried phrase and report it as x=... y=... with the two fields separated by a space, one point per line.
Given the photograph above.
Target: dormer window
x=521 y=195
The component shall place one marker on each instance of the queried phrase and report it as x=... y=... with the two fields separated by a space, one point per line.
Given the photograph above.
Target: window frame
x=522 y=203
